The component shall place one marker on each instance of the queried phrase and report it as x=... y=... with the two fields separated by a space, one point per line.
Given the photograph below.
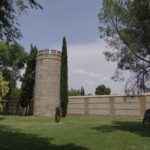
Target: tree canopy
x=12 y=60
x=74 y=92
x=9 y=10
x=77 y=92
x=3 y=89
x=124 y=24
x=28 y=81
x=3 y=86
x=102 y=90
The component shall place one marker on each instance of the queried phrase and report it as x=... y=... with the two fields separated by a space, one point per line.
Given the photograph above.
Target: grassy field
x=73 y=133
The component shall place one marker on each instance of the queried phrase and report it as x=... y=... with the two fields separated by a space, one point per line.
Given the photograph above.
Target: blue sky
x=75 y=19
x=78 y=21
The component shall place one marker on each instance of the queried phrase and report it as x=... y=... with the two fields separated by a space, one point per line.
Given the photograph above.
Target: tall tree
x=102 y=90
x=28 y=81
x=9 y=10
x=82 y=91
x=12 y=60
x=64 y=79
x=126 y=28
x=74 y=92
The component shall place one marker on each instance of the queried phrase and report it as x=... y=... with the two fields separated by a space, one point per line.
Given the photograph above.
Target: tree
x=12 y=60
x=77 y=92
x=82 y=91
x=64 y=79
x=126 y=28
x=9 y=10
x=28 y=81
x=102 y=90
x=3 y=89
x=74 y=92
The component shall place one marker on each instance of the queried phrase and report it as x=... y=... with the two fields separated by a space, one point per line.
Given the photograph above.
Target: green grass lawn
x=73 y=133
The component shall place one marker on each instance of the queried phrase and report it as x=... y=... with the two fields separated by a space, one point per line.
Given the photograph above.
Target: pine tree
x=64 y=79
x=29 y=81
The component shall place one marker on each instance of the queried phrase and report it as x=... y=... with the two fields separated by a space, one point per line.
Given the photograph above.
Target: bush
x=146 y=119
x=57 y=114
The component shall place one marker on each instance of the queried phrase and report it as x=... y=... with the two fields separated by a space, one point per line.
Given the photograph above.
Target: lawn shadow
x=128 y=126
x=2 y=118
x=11 y=139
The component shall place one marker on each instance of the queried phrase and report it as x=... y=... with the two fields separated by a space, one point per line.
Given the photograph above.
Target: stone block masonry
x=47 y=83
x=109 y=105
x=87 y=105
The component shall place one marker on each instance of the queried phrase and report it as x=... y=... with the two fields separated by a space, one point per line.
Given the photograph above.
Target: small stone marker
x=146 y=119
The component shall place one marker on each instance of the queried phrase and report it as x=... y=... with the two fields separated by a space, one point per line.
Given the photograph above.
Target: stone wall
x=11 y=106
x=108 y=105
x=96 y=105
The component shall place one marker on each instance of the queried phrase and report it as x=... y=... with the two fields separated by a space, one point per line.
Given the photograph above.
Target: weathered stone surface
x=108 y=105
x=47 y=83
x=88 y=105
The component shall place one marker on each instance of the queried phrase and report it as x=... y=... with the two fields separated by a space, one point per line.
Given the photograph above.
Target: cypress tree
x=64 y=79
x=29 y=81
x=82 y=91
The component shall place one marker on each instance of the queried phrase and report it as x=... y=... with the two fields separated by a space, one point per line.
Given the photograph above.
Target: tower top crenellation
x=48 y=51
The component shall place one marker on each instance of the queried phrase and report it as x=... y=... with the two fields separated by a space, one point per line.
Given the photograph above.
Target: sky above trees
x=78 y=21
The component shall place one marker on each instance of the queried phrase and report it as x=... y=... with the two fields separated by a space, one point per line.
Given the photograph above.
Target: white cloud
x=88 y=67
x=86 y=73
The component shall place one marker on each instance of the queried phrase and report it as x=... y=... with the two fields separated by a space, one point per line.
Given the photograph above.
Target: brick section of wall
x=109 y=105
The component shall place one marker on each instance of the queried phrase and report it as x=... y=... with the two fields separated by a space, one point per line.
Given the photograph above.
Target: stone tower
x=47 y=83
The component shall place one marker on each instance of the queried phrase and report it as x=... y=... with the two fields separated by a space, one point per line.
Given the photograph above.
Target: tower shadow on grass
x=126 y=126
x=10 y=139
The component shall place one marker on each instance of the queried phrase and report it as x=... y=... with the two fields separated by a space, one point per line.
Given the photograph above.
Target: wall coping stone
x=108 y=96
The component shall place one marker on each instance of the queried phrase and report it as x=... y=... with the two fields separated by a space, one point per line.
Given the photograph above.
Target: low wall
x=109 y=105
x=11 y=107
x=95 y=105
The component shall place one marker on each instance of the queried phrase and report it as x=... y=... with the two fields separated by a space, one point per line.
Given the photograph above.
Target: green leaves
x=124 y=24
x=3 y=86
x=64 y=79
x=29 y=80
x=3 y=89
x=102 y=90
x=12 y=60
x=9 y=9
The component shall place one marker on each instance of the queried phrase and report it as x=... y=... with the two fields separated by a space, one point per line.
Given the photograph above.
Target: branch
x=126 y=43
